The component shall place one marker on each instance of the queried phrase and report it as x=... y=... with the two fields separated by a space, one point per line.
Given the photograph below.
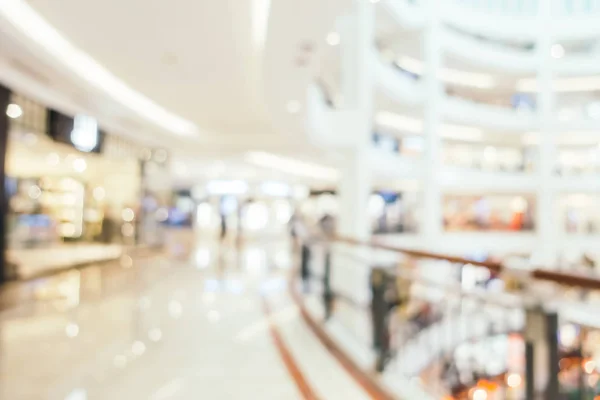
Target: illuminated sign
x=85 y=135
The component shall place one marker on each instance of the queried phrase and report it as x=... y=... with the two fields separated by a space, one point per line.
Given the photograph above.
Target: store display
x=488 y=213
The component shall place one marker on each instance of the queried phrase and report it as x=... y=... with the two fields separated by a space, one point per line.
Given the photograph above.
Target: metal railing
x=413 y=312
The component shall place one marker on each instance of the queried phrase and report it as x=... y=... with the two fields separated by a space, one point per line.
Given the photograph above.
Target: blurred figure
x=240 y=226
x=109 y=226
x=223 y=231
x=327 y=226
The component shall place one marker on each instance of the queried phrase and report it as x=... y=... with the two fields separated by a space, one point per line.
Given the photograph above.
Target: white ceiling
x=195 y=58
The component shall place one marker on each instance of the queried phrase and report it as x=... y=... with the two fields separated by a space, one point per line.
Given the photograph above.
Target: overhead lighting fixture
x=291 y=166
x=571 y=138
x=276 y=189
x=219 y=187
x=461 y=132
x=333 y=38
x=557 y=51
x=79 y=165
x=293 y=107
x=573 y=84
x=374 y=1
x=260 y=21
x=32 y=25
x=14 y=111
x=400 y=122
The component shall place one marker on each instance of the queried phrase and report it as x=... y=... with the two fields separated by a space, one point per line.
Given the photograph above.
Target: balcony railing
x=531 y=7
x=411 y=310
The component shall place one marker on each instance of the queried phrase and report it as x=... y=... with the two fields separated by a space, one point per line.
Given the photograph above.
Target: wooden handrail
x=492 y=266
x=558 y=277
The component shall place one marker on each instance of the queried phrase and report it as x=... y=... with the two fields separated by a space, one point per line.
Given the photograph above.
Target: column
x=546 y=221
x=357 y=41
x=431 y=218
x=541 y=354
x=4 y=129
x=354 y=192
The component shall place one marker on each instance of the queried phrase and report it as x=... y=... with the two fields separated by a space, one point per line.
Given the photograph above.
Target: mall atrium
x=300 y=199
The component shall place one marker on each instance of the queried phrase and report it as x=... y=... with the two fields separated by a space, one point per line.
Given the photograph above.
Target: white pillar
x=357 y=41
x=431 y=218
x=546 y=220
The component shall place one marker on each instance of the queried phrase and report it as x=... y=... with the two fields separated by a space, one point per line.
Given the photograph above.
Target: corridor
x=183 y=324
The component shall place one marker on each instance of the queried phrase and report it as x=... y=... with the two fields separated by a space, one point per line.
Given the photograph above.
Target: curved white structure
x=426 y=100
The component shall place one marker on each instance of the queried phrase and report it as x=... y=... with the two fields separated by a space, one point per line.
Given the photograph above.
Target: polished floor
x=195 y=322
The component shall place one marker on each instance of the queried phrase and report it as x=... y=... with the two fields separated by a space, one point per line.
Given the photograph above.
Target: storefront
x=390 y=211
x=71 y=187
x=493 y=212
x=250 y=209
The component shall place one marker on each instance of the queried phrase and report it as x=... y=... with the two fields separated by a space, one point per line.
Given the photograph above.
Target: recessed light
x=374 y=1
x=14 y=111
x=293 y=107
x=79 y=165
x=557 y=51
x=333 y=38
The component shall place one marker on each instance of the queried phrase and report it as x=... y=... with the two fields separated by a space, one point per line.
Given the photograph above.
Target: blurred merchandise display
x=390 y=211
x=579 y=213
x=250 y=209
x=68 y=181
x=489 y=212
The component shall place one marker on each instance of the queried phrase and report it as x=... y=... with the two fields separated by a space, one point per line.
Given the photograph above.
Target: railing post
x=327 y=291
x=541 y=354
x=379 y=311
x=305 y=266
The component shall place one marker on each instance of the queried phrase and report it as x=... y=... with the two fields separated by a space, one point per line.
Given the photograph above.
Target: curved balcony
x=407 y=13
x=327 y=126
x=467 y=180
x=394 y=166
x=489 y=116
x=420 y=312
x=572 y=19
x=394 y=83
x=578 y=65
x=579 y=184
x=489 y=54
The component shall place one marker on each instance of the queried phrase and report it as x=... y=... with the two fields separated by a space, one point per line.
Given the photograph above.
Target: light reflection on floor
x=152 y=328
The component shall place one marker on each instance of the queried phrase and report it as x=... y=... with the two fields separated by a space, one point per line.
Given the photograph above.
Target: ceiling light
x=406 y=124
x=53 y=159
x=155 y=334
x=32 y=25
x=401 y=122
x=260 y=21
x=293 y=107
x=79 y=165
x=276 y=189
x=461 y=132
x=465 y=78
x=374 y=1
x=14 y=111
x=72 y=330
x=576 y=84
x=219 y=187
x=333 y=38
x=292 y=166
x=557 y=51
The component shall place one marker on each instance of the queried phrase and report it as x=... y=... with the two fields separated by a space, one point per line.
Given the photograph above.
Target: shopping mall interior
x=300 y=199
